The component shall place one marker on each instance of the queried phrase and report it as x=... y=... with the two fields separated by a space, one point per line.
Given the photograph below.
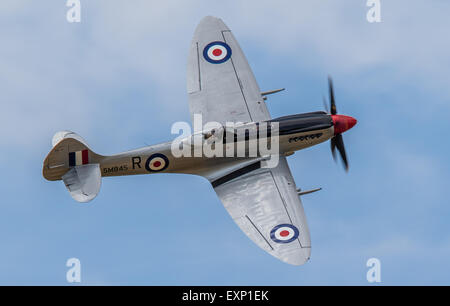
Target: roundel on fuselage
x=157 y=162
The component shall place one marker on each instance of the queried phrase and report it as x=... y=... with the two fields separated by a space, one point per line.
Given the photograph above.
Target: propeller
x=332 y=101
x=341 y=124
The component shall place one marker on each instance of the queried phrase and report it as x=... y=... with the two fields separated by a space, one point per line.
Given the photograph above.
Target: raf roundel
x=284 y=233
x=217 y=52
x=156 y=162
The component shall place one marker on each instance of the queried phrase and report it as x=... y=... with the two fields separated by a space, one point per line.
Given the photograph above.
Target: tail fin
x=72 y=161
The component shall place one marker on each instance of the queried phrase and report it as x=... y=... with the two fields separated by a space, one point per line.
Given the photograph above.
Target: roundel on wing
x=217 y=52
x=284 y=233
x=156 y=162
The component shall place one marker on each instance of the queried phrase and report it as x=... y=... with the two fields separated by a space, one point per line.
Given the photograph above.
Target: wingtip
x=211 y=22
x=300 y=261
x=298 y=258
x=209 y=18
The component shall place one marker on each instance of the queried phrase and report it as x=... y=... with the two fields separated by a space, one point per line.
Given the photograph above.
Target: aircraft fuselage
x=294 y=133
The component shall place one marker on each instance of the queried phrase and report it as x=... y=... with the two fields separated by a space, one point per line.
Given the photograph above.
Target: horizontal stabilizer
x=67 y=134
x=83 y=182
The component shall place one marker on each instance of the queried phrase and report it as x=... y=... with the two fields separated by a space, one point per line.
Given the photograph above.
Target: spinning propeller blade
x=341 y=124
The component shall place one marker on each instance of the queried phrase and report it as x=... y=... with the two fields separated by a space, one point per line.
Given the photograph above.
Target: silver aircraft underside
x=263 y=201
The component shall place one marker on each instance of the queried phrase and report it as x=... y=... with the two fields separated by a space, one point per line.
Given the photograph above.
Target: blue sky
x=118 y=79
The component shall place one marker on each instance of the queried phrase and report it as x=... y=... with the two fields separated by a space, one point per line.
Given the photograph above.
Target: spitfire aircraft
x=263 y=201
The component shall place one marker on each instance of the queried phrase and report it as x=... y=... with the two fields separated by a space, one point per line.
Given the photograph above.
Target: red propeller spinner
x=342 y=123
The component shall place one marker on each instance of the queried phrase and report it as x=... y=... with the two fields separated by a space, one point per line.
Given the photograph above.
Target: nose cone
x=342 y=123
